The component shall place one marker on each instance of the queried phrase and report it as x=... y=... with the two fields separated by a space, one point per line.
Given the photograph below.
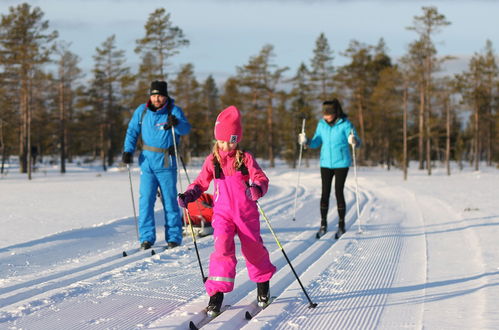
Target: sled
x=200 y=213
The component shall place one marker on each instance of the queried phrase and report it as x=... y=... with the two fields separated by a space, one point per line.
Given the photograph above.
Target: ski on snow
x=254 y=309
x=206 y=319
x=151 y=251
x=135 y=251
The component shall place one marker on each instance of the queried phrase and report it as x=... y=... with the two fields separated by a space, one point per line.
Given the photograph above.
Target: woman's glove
x=189 y=196
x=302 y=139
x=254 y=192
x=352 y=140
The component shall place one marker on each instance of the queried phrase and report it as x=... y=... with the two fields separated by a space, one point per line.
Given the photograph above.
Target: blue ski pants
x=166 y=180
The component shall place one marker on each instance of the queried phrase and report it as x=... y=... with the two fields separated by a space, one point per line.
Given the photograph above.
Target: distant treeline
x=403 y=111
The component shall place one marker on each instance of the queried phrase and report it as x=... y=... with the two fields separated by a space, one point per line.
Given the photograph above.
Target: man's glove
x=172 y=121
x=127 y=157
x=189 y=196
x=352 y=140
x=254 y=192
x=302 y=139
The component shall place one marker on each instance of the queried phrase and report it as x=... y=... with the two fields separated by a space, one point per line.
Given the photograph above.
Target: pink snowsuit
x=234 y=212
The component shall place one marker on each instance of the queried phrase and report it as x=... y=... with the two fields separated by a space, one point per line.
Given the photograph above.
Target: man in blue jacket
x=333 y=135
x=156 y=121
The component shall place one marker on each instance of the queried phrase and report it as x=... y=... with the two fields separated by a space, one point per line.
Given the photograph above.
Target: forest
x=404 y=109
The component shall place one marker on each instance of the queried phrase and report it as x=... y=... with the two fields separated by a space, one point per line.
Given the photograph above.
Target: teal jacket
x=333 y=140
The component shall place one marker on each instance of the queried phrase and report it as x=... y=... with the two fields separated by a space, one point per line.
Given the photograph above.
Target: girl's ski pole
x=185 y=210
x=299 y=165
x=311 y=304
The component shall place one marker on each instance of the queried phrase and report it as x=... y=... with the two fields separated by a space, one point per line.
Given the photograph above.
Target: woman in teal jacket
x=333 y=135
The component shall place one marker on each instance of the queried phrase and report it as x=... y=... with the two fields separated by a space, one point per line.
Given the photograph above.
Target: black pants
x=327 y=175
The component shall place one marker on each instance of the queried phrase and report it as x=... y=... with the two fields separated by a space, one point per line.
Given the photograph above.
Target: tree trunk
x=2 y=148
x=428 y=139
x=62 y=127
x=28 y=132
x=421 y=127
x=103 y=146
x=362 y=126
x=447 y=134
x=270 y=133
x=428 y=111
x=476 y=137
x=405 y=161
x=23 y=164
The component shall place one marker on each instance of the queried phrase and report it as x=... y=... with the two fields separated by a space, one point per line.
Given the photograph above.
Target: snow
x=423 y=254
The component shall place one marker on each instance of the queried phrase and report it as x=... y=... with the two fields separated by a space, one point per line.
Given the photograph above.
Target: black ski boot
x=322 y=230
x=145 y=245
x=341 y=229
x=215 y=304
x=172 y=245
x=263 y=297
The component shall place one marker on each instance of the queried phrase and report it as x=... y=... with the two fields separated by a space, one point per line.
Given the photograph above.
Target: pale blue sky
x=225 y=34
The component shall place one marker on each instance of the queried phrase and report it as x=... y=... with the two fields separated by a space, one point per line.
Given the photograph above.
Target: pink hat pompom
x=228 y=126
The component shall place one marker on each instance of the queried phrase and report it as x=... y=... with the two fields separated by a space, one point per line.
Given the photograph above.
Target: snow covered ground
x=426 y=255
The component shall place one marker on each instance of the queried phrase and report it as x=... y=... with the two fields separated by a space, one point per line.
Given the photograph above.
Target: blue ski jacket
x=333 y=140
x=151 y=125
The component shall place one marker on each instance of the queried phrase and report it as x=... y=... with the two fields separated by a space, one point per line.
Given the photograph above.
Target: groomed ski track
x=385 y=276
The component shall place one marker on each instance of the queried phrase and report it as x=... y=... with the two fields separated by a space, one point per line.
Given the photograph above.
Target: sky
x=224 y=34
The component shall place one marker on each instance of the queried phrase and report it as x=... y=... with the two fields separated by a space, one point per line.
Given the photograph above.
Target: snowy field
x=423 y=254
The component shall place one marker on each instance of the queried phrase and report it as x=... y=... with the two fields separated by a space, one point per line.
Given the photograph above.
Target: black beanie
x=159 y=87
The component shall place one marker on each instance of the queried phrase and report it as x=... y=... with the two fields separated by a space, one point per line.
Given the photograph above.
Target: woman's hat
x=228 y=126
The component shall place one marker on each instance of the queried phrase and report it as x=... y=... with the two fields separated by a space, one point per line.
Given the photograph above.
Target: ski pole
x=133 y=202
x=356 y=185
x=185 y=210
x=311 y=304
x=299 y=165
x=185 y=170
x=198 y=203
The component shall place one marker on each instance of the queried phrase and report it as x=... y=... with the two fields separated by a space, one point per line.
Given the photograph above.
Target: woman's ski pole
x=299 y=165
x=185 y=210
x=311 y=304
x=356 y=185
x=133 y=201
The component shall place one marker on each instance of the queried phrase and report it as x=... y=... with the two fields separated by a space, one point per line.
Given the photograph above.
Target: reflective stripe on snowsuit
x=234 y=213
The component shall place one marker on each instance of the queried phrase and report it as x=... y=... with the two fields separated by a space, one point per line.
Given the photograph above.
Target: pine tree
x=322 y=69
x=161 y=41
x=426 y=26
x=302 y=107
x=26 y=44
x=477 y=88
x=263 y=77
x=186 y=90
x=111 y=76
x=209 y=106
x=68 y=73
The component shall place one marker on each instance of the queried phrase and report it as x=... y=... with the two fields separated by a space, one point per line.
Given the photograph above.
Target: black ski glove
x=127 y=157
x=172 y=121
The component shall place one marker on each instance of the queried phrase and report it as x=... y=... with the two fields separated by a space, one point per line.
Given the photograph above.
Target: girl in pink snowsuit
x=234 y=211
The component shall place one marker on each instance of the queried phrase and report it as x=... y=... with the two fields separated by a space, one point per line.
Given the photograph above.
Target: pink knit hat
x=228 y=126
